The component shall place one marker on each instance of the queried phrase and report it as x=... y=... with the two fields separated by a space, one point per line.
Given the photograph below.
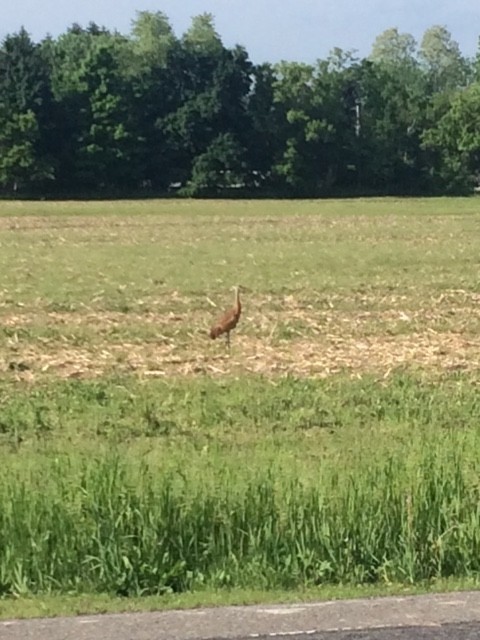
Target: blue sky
x=271 y=30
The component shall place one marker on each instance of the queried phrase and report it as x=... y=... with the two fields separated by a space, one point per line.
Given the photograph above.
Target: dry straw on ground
x=275 y=337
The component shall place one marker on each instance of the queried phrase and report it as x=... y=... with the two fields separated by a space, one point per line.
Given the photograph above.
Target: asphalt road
x=454 y=616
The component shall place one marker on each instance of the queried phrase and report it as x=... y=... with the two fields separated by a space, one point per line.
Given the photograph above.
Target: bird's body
x=228 y=321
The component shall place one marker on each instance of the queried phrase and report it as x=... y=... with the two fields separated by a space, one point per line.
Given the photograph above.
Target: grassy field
x=336 y=444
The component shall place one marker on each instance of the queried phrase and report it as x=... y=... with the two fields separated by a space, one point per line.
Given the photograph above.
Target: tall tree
x=20 y=164
x=264 y=144
x=396 y=99
x=152 y=38
x=211 y=120
x=89 y=70
x=25 y=101
x=106 y=144
x=67 y=54
x=394 y=48
x=440 y=56
x=202 y=36
x=314 y=124
x=454 y=141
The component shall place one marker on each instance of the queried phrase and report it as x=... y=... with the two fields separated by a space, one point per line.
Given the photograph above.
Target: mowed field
x=336 y=443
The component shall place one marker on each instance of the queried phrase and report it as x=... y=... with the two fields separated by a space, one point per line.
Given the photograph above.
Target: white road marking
x=282 y=611
x=285 y=634
x=311 y=632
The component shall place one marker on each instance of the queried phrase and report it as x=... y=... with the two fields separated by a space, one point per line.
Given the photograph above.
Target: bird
x=229 y=320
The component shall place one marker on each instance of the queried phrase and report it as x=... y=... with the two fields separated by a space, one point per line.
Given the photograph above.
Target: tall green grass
x=386 y=490
x=105 y=525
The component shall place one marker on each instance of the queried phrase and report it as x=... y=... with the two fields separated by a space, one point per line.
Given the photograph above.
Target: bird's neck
x=237 y=299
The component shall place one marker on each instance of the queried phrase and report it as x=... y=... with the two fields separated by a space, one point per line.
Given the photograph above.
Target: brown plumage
x=229 y=320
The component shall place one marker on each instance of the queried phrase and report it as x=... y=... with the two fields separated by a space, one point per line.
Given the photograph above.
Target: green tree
x=67 y=54
x=152 y=38
x=454 y=141
x=105 y=155
x=442 y=60
x=264 y=142
x=212 y=89
x=202 y=37
x=313 y=124
x=94 y=135
x=394 y=49
x=20 y=164
x=339 y=79
x=25 y=103
x=155 y=93
x=221 y=167
x=82 y=107
x=395 y=98
x=294 y=96
x=23 y=76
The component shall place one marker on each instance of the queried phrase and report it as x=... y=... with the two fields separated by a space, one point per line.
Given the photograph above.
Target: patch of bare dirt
x=323 y=357
x=276 y=336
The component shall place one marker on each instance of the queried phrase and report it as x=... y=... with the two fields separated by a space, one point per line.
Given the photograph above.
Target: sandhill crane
x=229 y=320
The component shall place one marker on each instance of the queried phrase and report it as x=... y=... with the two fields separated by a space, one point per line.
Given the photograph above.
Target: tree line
x=97 y=112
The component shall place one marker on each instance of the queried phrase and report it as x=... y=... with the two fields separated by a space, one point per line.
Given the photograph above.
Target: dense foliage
x=97 y=112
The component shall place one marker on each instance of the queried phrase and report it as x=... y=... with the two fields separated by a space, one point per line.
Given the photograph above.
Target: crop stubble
x=86 y=295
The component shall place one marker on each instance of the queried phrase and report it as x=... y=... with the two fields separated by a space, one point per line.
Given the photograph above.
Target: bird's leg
x=227 y=335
